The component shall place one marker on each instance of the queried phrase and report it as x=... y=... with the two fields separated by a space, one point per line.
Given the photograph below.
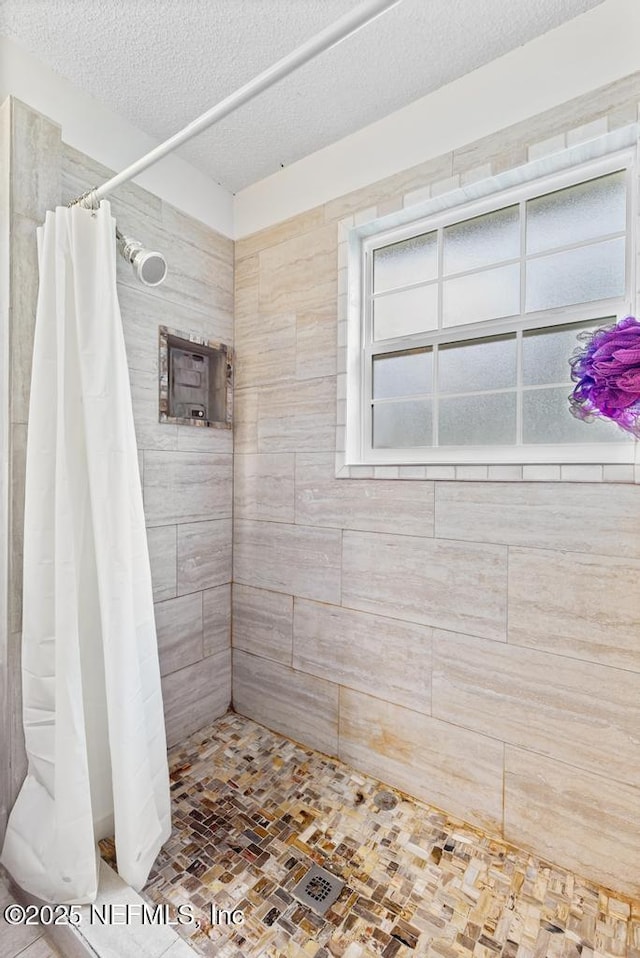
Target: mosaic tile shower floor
x=252 y=810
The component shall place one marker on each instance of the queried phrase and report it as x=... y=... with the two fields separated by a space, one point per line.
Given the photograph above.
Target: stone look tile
x=245 y=425
x=130 y=201
x=300 y=417
x=23 y=280
x=18 y=457
x=298 y=705
x=584 y=820
x=263 y=487
x=263 y=623
x=265 y=346
x=186 y=486
x=446 y=766
x=196 y=695
x=575 y=712
x=316 y=343
x=286 y=558
x=396 y=185
x=216 y=612
x=195 y=277
x=161 y=541
x=143 y=314
x=577 y=605
x=289 y=229
x=299 y=274
x=179 y=628
x=444 y=584
x=576 y=517
x=151 y=434
x=411 y=872
x=35 y=183
x=378 y=505
x=204 y=555
x=368 y=653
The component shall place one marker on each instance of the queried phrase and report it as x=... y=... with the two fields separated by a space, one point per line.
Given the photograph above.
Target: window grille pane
x=579 y=213
x=488 y=295
x=402 y=374
x=546 y=418
x=546 y=352
x=482 y=240
x=402 y=424
x=478 y=420
x=413 y=261
x=576 y=276
x=410 y=311
x=478 y=364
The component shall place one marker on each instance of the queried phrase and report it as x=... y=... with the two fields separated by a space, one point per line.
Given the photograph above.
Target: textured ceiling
x=160 y=63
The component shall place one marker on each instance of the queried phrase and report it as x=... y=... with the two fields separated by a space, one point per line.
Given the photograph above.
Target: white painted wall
x=594 y=49
x=91 y=127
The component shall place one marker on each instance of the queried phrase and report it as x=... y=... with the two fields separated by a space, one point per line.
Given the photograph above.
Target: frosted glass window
x=402 y=374
x=579 y=213
x=402 y=264
x=487 y=295
x=410 y=311
x=479 y=364
x=478 y=420
x=482 y=240
x=546 y=418
x=546 y=352
x=576 y=276
x=402 y=424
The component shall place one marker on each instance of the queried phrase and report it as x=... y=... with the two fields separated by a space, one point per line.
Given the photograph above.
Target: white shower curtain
x=92 y=703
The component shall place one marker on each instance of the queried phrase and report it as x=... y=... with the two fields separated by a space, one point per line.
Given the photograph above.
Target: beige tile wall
x=187 y=472
x=476 y=643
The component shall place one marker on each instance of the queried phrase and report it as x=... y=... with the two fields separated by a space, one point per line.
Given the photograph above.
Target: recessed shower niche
x=196 y=380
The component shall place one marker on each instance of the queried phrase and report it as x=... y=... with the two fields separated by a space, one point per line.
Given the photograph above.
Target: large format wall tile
x=216 y=613
x=204 y=555
x=450 y=585
x=574 y=818
x=300 y=274
x=370 y=505
x=579 y=517
x=316 y=338
x=23 y=285
x=179 y=628
x=36 y=146
x=577 y=712
x=186 y=486
x=161 y=541
x=384 y=657
x=457 y=770
x=195 y=695
x=285 y=558
x=265 y=349
x=301 y=706
x=245 y=421
x=263 y=622
x=263 y=487
x=585 y=606
x=298 y=416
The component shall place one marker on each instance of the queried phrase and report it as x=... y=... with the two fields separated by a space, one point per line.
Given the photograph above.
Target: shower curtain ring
x=88 y=200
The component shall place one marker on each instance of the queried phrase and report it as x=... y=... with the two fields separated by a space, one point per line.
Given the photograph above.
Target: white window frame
x=607 y=154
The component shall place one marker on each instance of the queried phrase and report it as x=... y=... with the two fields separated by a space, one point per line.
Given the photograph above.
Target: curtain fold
x=92 y=702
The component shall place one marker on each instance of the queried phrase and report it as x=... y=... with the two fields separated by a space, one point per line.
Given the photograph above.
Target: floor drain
x=318 y=889
x=385 y=800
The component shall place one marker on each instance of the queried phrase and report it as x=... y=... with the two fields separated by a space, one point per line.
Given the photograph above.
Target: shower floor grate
x=318 y=889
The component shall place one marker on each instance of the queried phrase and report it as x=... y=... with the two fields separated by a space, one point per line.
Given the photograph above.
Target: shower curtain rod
x=346 y=25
